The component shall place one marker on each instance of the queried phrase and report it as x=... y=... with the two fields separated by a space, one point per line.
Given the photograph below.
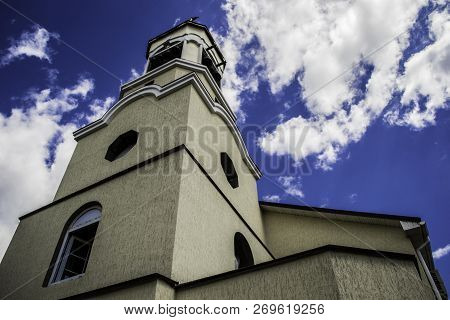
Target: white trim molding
x=191 y=66
x=159 y=92
x=185 y=38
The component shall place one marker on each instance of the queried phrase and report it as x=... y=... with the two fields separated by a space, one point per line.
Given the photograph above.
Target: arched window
x=242 y=251
x=76 y=247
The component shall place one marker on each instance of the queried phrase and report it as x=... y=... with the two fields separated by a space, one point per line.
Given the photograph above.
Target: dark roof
x=342 y=212
x=179 y=26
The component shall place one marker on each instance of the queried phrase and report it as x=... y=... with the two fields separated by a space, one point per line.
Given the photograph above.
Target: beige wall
x=364 y=277
x=135 y=236
x=88 y=164
x=142 y=242
x=329 y=275
x=191 y=52
x=206 y=224
x=207 y=149
x=303 y=279
x=288 y=233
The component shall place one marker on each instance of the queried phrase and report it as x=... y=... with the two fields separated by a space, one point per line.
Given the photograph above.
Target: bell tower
x=159 y=201
x=160 y=190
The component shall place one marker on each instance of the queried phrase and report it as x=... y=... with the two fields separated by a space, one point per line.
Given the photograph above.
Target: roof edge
x=298 y=256
x=342 y=212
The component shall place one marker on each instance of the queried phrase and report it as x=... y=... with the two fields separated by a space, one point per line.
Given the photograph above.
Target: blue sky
x=370 y=81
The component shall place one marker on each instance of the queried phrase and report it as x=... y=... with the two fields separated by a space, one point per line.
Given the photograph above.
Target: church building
x=160 y=201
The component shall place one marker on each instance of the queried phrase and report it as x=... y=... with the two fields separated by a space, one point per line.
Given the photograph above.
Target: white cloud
x=30 y=172
x=98 y=108
x=427 y=73
x=52 y=75
x=133 y=74
x=30 y=44
x=272 y=198
x=353 y=197
x=233 y=84
x=291 y=185
x=312 y=42
x=441 y=252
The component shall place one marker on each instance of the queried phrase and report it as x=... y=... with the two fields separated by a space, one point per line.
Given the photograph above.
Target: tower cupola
x=188 y=41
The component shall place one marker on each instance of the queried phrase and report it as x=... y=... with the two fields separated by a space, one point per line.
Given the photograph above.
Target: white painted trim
x=427 y=271
x=146 y=66
x=57 y=266
x=192 y=66
x=199 y=54
x=159 y=92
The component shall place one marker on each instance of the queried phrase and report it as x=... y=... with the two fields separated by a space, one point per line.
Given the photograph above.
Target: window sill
x=66 y=280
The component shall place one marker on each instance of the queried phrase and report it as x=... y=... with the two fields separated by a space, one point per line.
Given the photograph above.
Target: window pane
x=77 y=252
x=88 y=217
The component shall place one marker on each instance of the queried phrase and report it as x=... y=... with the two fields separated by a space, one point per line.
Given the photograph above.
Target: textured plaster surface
x=288 y=234
x=135 y=236
x=159 y=124
x=204 y=241
x=330 y=275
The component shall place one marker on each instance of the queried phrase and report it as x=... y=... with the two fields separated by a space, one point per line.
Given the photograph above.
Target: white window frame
x=59 y=265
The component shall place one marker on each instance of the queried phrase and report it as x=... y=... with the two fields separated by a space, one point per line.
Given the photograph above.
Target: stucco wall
x=363 y=277
x=154 y=120
x=135 y=236
x=206 y=224
x=310 y=278
x=329 y=275
x=287 y=234
x=191 y=52
x=208 y=138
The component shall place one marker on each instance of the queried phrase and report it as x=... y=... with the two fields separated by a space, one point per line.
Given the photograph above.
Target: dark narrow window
x=122 y=145
x=208 y=62
x=75 y=250
x=165 y=56
x=242 y=251
x=229 y=170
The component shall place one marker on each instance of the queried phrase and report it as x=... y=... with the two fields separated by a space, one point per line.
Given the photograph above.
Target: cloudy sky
x=347 y=100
